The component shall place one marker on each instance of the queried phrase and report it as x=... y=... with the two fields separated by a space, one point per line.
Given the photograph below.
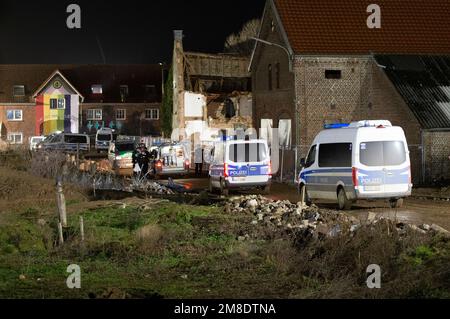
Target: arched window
x=277 y=75
x=269 y=70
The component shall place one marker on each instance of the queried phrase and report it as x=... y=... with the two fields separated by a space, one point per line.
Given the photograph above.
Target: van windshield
x=129 y=147
x=247 y=152
x=382 y=153
x=104 y=137
x=78 y=139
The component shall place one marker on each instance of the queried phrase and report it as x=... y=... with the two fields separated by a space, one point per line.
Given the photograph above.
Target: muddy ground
x=145 y=247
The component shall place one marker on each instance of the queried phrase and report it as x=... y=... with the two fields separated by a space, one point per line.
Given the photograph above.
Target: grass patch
x=181 y=251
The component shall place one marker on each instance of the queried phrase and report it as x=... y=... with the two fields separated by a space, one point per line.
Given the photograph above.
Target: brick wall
x=135 y=124
x=362 y=92
x=276 y=103
x=26 y=126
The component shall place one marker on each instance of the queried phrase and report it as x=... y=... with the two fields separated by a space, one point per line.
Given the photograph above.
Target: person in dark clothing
x=153 y=158
x=134 y=157
x=143 y=160
x=198 y=159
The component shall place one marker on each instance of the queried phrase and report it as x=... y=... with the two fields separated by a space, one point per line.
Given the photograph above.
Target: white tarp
x=284 y=133
x=266 y=130
x=194 y=104
x=193 y=127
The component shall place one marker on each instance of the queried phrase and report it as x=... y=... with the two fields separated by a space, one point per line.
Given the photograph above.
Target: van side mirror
x=303 y=162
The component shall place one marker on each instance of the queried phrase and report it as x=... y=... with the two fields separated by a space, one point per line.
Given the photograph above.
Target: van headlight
x=118 y=158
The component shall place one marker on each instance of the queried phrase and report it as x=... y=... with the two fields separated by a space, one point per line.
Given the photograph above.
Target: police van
x=361 y=160
x=240 y=164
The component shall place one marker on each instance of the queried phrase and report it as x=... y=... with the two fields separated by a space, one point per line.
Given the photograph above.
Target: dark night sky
x=129 y=31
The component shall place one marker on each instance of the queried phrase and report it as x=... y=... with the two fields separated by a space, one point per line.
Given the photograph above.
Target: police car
x=240 y=164
x=361 y=160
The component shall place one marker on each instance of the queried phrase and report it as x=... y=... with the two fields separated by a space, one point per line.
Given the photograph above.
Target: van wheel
x=343 y=202
x=396 y=203
x=223 y=188
x=211 y=187
x=266 y=189
x=307 y=199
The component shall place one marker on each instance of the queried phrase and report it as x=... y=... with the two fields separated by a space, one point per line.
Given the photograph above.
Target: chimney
x=178 y=35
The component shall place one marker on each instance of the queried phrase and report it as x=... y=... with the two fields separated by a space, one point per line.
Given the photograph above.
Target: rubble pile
x=152 y=187
x=310 y=221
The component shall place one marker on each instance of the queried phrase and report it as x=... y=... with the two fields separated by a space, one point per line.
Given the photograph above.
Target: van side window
x=311 y=156
x=335 y=155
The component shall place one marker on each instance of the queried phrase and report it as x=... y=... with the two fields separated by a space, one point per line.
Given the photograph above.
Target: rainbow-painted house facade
x=57 y=106
x=38 y=100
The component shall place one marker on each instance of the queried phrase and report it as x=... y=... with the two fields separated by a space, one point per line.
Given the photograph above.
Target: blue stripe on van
x=365 y=177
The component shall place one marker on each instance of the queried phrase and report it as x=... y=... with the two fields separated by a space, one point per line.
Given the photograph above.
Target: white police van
x=361 y=160
x=240 y=164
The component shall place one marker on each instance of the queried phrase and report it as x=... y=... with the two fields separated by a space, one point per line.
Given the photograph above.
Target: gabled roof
x=82 y=77
x=340 y=27
x=424 y=84
x=52 y=76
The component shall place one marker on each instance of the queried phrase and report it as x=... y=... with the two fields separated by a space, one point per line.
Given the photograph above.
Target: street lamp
x=162 y=65
x=278 y=46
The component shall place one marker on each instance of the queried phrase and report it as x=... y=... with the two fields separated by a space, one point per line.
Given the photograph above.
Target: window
x=76 y=139
x=54 y=104
x=123 y=92
x=19 y=90
x=311 y=156
x=94 y=114
x=333 y=74
x=247 y=152
x=15 y=138
x=14 y=115
x=382 y=153
x=121 y=114
x=150 y=91
x=335 y=155
x=61 y=103
x=269 y=70
x=97 y=89
x=152 y=114
x=277 y=75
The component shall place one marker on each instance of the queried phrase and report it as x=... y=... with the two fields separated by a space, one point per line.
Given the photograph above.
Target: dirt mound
x=19 y=188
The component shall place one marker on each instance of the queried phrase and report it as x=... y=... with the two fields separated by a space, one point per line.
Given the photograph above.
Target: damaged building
x=212 y=92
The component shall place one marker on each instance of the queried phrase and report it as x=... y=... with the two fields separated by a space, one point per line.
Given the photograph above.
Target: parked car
x=103 y=139
x=171 y=159
x=240 y=164
x=66 y=142
x=361 y=160
x=34 y=141
x=120 y=156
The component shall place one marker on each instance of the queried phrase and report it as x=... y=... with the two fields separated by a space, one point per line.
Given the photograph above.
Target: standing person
x=198 y=159
x=143 y=159
x=134 y=158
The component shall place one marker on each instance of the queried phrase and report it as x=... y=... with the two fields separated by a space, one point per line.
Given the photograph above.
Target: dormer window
x=19 y=90
x=123 y=92
x=97 y=89
x=150 y=92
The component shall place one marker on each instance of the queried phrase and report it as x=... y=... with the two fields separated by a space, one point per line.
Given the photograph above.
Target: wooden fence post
x=82 y=228
x=61 y=202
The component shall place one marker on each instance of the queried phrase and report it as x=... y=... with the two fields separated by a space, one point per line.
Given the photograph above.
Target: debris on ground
x=311 y=221
x=151 y=187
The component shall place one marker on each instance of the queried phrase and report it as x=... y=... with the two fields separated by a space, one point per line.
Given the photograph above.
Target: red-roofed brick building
x=328 y=66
